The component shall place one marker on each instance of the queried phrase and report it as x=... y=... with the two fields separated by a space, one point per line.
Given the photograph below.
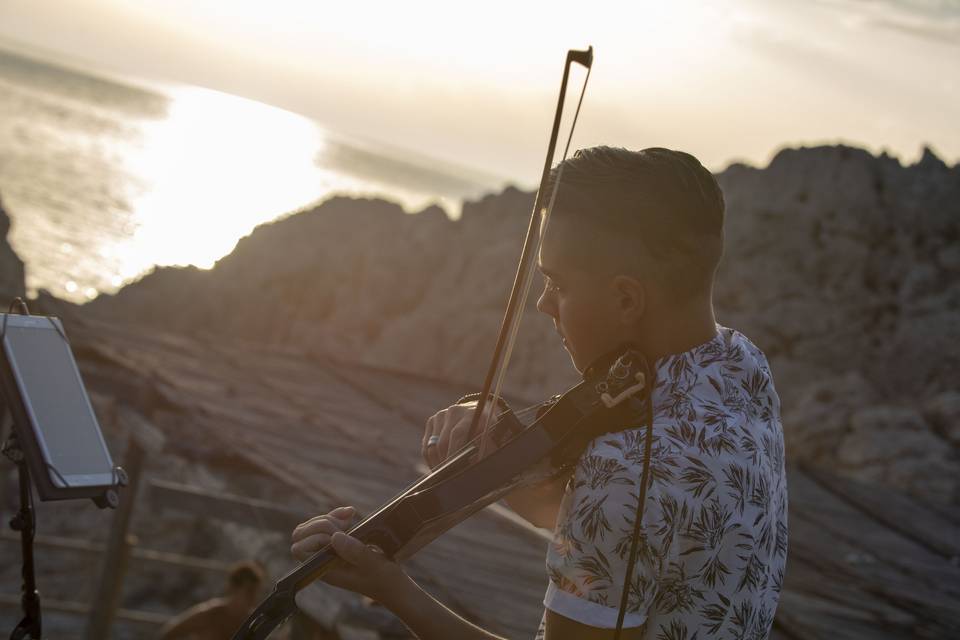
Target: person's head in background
x=244 y=583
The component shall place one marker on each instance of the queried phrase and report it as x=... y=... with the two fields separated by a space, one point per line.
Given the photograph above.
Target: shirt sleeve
x=587 y=559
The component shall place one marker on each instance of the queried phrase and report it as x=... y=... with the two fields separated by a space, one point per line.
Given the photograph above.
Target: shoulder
x=200 y=611
x=209 y=609
x=743 y=358
x=722 y=382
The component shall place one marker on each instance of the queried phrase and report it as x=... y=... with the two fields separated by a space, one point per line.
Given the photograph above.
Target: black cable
x=18 y=301
x=641 y=498
x=24 y=311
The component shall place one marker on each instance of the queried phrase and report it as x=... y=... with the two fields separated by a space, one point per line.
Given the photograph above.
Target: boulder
x=943 y=413
x=820 y=418
x=883 y=433
x=897 y=447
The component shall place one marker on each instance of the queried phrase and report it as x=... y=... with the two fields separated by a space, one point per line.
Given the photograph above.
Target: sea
x=106 y=178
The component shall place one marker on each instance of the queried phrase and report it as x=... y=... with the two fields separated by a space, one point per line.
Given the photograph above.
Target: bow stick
x=531 y=247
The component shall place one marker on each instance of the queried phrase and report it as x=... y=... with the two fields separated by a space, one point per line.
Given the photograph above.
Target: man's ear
x=631 y=298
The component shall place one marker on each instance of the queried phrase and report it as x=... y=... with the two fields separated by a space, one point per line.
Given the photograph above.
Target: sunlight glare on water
x=103 y=181
x=218 y=165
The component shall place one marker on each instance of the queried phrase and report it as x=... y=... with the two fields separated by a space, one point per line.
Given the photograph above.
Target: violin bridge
x=611 y=401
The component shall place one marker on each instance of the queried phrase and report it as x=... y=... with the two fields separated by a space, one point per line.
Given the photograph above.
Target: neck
x=682 y=328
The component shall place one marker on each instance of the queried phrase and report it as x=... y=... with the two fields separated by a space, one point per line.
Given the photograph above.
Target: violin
x=609 y=397
x=614 y=389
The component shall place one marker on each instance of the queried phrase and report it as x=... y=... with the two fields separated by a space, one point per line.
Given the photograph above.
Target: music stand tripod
x=24 y=522
x=51 y=413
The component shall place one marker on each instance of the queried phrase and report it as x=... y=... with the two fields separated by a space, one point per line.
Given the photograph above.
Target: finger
x=311 y=525
x=339 y=518
x=442 y=422
x=344 y=514
x=354 y=551
x=459 y=436
x=489 y=411
x=427 y=429
x=440 y=449
x=462 y=435
x=305 y=548
x=326 y=526
x=455 y=433
x=426 y=452
x=338 y=513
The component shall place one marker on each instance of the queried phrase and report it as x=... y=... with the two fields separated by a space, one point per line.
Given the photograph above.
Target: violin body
x=607 y=400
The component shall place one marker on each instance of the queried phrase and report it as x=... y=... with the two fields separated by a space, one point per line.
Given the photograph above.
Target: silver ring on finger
x=432 y=441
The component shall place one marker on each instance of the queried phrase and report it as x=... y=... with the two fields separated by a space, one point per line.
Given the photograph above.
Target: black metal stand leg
x=24 y=522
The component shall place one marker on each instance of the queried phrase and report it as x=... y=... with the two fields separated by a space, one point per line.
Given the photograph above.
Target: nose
x=546 y=304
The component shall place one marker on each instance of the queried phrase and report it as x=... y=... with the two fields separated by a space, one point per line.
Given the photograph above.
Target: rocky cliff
x=842 y=266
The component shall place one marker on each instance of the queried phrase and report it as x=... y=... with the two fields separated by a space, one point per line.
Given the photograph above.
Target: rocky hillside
x=842 y=266
x=366 y=281
x=845 y=268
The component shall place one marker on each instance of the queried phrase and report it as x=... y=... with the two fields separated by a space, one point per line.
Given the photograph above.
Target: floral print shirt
x=713 y=538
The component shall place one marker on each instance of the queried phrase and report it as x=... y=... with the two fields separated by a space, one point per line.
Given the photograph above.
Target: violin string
x=576 y=114
x=566 y=150
x=524 y=264
x=514 y=329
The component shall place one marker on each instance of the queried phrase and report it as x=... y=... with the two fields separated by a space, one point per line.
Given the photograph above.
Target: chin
x=573 y=361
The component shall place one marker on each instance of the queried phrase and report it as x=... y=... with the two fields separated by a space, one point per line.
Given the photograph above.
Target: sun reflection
x=218 y=165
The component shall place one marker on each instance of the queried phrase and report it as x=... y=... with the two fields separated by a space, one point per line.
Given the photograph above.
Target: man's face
x=583 y=304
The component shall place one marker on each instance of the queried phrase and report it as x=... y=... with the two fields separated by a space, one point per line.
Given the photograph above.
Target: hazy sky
x=474 y=83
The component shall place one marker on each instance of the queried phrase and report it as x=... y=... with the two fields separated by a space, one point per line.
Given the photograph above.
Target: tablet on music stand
x=54 y=421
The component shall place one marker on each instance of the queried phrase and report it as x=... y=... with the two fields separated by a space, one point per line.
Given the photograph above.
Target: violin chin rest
x=611 y=401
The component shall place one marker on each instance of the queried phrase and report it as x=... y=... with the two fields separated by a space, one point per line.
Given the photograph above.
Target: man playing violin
x=629 y=256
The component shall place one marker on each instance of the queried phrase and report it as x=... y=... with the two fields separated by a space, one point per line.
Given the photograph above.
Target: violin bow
x=539 y=218
x=280 y=604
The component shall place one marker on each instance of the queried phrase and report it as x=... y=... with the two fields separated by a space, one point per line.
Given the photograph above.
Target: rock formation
x=364 y=280
x=842 y=266
x=11 y=267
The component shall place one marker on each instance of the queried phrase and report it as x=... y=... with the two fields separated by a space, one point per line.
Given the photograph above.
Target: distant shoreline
x=170 y=87
x=84 y=67
x=119 y=154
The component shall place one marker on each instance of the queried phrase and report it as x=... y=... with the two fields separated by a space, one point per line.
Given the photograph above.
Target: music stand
x=56 y=441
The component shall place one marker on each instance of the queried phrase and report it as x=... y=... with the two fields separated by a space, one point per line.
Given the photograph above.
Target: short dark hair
x=244 y=574
x=658 y=202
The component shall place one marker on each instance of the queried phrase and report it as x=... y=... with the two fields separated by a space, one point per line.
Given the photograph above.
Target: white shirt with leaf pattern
x=714 y=532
